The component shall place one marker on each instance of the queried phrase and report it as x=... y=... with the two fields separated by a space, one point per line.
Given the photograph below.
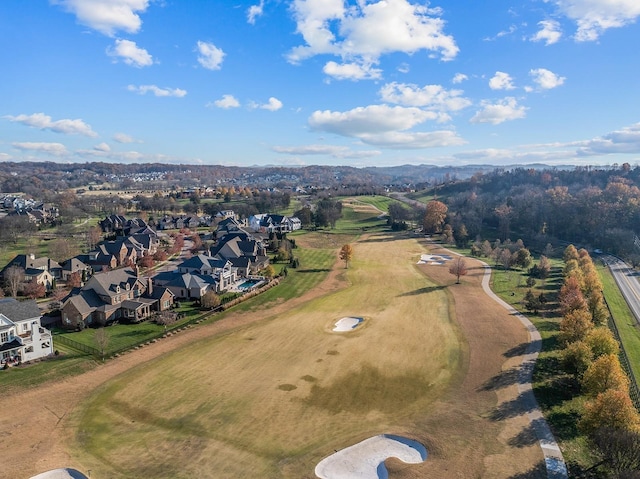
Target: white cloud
x=546 y=79
x=431 y=97
x=502 y=33
x=501 y=81
x=404 y=68
x=210 y=56
x=272 y=105
x=459 y=78
x=550 y=32
x=130 y=53
x=56 y=149
x=44 y=122
x=107 y=16
x=496 y=113
x=365 y=31
x=351 y=71
x=414 y=140
x=124 y=138
x=367 y=120
x=626 y=140
x=226 y=102
x=157 y=91
x=594 y=17
x=5 y=157
x=102 y=147
x=255 y=11
x=384 y=126
x=331 y=150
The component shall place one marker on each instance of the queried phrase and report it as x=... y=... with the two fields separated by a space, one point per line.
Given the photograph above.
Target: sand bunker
x=365 y=460
x=434 y=258
x=347 y=324
x=65 y=473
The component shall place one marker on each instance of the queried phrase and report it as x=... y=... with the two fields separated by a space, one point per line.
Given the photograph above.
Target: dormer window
x=127 y=286
x=117 y=288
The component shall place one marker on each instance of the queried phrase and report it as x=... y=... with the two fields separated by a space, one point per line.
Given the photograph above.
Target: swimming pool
x=248 y=284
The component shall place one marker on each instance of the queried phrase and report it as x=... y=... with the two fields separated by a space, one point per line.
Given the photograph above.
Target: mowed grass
x=625 y=322
x=272 y=399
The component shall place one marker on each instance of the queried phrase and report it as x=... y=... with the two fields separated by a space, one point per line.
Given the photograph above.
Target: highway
x=627 y=280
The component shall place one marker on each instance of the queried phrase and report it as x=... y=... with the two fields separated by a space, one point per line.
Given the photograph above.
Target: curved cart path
x=556 y=467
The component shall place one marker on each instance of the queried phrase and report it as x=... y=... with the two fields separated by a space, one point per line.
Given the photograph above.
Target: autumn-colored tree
x=601 y=342
x=613 y=409
x=268 y=272
x=146 y=261
x=576 y=358
x=74 y=280
x=210 y=300
x=435 y=214
x=486 y=248
x=61 y=249
x=160 y=255
x=34 y=290
x=570 y=296
x=597 y=308
x=346 y=254
x=604 y=373
x=447 y=234
x=458 y=268
x=575 y=325
x=570 y=252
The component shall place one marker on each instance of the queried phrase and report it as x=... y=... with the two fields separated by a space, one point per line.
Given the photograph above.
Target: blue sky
x=302 y=82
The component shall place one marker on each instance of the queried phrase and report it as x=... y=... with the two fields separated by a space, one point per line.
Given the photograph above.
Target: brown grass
x=270 y=399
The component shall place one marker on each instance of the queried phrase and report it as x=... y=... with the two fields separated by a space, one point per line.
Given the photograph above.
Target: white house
x=22 y=337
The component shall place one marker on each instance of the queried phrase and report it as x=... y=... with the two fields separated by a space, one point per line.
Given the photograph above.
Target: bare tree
x=458 y=268
x=13 y=279
x=101 y=338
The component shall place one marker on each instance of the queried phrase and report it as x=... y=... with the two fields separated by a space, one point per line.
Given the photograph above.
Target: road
x=627 y=280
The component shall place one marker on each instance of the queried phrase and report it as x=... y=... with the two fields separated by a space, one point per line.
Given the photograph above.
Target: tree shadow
x=526 y=437
x=539 y=471
x=523 y=404
x=503 y=379
x=516 y=351
x=314 y=270
x=425 y=290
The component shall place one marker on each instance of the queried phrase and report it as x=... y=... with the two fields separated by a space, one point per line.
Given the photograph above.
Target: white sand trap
x=434 y=259
x=347 y=324
x=65 y=473
x=365 y=460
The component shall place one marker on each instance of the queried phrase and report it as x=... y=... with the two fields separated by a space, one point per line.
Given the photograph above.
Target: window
x=4 y=337
x=25 y=327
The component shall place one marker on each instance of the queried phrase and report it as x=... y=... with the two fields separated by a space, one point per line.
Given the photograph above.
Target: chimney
x=149 y=286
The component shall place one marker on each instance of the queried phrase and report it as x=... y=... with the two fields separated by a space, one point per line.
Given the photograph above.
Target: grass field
x=625 y=322
x=272 y=399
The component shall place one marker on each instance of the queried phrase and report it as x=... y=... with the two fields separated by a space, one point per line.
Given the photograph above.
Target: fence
x=634 y=392
x=174 y=328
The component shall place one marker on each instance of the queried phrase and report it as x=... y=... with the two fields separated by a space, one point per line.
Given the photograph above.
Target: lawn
x=624 y=319
x=273 y=398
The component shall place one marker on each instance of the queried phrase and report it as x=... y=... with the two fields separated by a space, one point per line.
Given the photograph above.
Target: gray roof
x=19 y=310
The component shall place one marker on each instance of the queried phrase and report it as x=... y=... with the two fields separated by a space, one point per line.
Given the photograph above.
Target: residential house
x=44 y=270
x=22 y=337
x=75 y=265
x=111 y=296
x=270 y=223
x=221 y=269
x=244 y=252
